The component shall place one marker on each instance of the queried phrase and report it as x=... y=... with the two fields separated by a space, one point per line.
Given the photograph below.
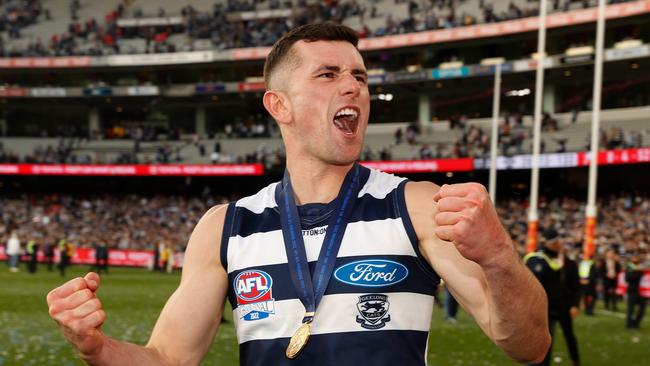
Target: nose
x=350 y=85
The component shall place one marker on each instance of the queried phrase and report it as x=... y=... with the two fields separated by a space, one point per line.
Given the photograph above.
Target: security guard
x=636 y=303
x=588 y=281
x=558 y=275
x=66 y=250
x=32 y=251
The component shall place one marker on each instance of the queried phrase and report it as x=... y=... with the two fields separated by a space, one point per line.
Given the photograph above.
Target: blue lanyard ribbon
x=311 y=289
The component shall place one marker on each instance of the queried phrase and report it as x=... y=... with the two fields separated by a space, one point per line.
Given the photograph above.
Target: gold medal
x=298 y=340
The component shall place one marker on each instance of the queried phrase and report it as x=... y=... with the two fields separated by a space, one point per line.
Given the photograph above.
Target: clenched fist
x=78 y=312
x=467 y=218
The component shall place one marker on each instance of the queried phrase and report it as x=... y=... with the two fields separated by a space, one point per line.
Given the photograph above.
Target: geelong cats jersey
x=377 y=306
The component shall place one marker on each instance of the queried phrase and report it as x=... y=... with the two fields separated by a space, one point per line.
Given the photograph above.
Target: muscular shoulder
x=205 y=243
x=417 y=191
x=421 y=206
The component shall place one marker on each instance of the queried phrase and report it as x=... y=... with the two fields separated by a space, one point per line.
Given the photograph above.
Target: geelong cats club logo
x=373 y=310
x=254 y=299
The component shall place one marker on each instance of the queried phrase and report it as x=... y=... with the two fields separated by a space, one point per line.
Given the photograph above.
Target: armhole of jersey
x=403 y=213
x=228 y=223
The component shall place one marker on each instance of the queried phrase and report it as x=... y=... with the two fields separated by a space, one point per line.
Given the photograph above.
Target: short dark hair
x=326 y=31
x=550 y=234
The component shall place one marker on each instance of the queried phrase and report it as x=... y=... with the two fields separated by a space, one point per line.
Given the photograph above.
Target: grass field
x=133 y=298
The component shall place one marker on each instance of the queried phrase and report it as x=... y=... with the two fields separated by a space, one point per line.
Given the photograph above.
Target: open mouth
x=347 y=120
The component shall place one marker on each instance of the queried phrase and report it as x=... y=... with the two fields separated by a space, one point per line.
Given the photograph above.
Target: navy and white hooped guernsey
x=378 y=304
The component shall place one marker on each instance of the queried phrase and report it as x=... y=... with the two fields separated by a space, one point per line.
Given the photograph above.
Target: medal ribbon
x=311 y=289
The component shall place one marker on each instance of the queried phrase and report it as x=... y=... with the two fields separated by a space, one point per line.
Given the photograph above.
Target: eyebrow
x=332 y=68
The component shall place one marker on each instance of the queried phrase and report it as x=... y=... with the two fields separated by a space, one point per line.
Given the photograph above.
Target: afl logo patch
x=371 y=273
x=254 y=297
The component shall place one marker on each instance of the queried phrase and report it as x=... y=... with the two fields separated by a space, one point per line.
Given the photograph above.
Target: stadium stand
x=441 y=140
x=108 y=27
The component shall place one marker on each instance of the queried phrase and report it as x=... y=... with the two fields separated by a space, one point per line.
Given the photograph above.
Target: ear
x=278 y=106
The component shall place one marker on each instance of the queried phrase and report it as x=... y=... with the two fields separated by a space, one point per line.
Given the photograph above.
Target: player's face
x=330 y=101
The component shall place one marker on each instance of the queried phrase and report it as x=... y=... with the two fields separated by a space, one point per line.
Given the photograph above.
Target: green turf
x=133 y=298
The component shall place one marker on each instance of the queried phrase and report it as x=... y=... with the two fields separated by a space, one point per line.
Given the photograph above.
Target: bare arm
x=462 y=238
x=186 y=325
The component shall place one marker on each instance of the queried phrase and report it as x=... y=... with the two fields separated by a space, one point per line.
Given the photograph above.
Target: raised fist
x=467 y=218
x=78 y=312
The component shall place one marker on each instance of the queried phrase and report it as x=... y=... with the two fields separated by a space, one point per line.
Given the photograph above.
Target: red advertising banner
x=133 y=170
x=422 y=166
x=613 y=157
x=644 y=286
x=45 y=62
x=116 y=257
x=13 y=92
x=255 y=53
x=254 y=86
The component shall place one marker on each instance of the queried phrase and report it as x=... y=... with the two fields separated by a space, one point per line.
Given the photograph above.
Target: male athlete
x=336 y=264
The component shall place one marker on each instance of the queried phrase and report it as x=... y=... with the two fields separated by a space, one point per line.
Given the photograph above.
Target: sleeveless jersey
x=377 y=307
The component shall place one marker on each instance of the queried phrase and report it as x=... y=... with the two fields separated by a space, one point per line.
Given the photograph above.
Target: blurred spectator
x=398 y=136
x=561 y=143
x=636 y=302
x=549 y=123
x=412 y=132
x=13 y=251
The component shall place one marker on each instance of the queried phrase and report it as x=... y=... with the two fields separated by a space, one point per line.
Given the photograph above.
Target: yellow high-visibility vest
x=585 y=268
x=551 y=262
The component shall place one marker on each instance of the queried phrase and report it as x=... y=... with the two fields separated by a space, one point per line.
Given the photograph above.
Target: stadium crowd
x=19 y=14
x=474 y=142
x=623 y=221
x=139 y=222
x=225 y=29
x=126 y=222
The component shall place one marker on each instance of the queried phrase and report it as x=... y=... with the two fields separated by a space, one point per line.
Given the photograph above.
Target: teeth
x=347 y=112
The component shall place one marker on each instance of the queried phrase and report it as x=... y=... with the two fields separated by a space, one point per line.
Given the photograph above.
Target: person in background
x=164 y=257
x=570 y=281
x=558 y=274
x=636 y=303
x=612 y=269
x=32 y=251
x=13 y=251
x=588 y=280
x=49 y=253
x=451 y=307
x=169 y=266
x=101 y=256
x=66 y=250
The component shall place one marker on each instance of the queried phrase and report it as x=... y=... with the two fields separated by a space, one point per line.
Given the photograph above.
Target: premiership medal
x=298 y=340
x=311 y=288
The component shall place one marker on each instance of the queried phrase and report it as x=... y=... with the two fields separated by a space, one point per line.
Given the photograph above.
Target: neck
x=314 y=181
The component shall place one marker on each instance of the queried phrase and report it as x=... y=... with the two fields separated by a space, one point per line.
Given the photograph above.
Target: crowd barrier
x=116 y=257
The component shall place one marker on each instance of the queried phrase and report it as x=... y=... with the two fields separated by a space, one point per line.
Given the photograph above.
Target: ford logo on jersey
x=371 y=273
x=254 y=298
